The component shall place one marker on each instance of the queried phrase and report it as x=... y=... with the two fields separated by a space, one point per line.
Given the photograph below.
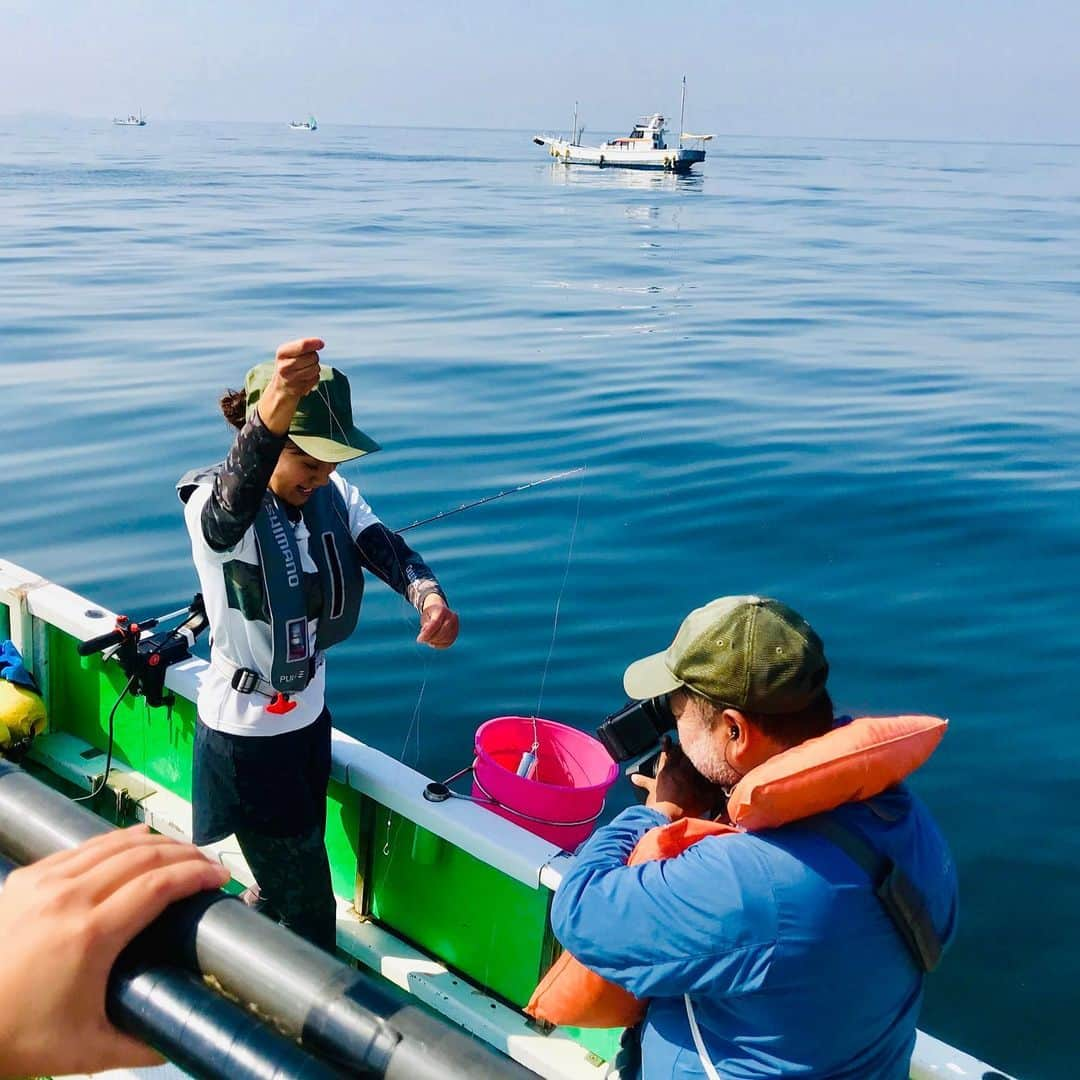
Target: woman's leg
x=293 y=873
x=214 y=803
x=283 y=842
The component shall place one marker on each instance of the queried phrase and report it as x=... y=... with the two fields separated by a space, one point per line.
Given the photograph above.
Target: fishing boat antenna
x=682 y=112
x=574 y=136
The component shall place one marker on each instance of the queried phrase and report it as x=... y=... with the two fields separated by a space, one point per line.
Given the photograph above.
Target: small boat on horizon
x=131 y=120
x=643 y=148
x=309 y=124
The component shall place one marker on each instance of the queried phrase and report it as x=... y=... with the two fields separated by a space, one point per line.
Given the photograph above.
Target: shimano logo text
x=281 y=538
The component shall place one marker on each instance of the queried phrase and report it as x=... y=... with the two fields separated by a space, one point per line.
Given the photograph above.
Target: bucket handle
x=438 y=791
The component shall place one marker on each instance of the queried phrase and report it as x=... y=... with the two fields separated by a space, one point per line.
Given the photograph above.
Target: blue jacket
x=791 y=962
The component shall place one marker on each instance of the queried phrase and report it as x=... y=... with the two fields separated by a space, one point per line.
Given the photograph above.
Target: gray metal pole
x=203 y=1033
x=354 y=1019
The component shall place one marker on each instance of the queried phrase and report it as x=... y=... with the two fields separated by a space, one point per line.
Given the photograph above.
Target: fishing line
x=322 y=392
x=581 y=469
x=406 y=620
x=528 y=760
x=414 y=723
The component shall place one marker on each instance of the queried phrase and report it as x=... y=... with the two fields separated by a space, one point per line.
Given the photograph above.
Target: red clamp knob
x=280 y=705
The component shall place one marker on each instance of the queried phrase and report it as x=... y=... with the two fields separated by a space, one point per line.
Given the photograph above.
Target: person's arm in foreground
x=63 y=922
x=241 y=484
x=662 y=928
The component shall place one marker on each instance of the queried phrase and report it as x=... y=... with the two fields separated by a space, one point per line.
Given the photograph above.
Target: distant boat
x=131 y=121
x=643 y=148
x=304 y=125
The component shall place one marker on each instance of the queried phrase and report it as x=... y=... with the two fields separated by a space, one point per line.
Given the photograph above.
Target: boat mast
x=682 y=112
x=573 y=137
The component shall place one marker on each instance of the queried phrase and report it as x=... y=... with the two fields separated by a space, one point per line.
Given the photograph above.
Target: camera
x=636 y=728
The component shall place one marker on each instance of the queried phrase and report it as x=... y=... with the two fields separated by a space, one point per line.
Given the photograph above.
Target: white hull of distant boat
x=304 y=125
x=130 y=121
x=673 y=159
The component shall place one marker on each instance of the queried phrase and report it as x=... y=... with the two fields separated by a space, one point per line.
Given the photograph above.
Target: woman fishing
x=280 y=543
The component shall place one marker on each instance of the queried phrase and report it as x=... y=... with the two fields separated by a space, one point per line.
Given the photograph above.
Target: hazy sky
x=963 y=69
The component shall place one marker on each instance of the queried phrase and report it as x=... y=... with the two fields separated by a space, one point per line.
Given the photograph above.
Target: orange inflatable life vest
x=848 y=764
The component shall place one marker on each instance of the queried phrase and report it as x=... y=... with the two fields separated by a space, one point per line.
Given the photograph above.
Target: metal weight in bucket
x=563 y=794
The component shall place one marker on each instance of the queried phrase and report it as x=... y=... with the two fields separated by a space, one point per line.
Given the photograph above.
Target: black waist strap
x=902 y=901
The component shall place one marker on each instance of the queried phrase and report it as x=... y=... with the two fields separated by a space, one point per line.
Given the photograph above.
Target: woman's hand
x=296 y=365
x=296 y=373
x=63 y=921
x=438 y=624
x=678 y=789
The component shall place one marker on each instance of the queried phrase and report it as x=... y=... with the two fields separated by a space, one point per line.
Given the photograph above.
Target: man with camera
x=766 y=953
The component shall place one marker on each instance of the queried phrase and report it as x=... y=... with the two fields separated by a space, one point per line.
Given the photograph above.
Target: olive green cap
x=322 y=425
x=747 y=652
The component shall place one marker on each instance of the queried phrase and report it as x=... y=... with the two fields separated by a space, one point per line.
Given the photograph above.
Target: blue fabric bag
x=13 y=669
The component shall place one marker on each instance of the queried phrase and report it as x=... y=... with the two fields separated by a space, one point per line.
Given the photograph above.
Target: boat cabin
x=647 y=134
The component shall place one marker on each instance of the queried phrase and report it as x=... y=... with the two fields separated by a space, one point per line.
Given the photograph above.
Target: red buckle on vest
x=280 y=705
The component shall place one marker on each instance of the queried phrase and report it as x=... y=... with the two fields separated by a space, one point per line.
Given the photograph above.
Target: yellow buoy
x=22 y=714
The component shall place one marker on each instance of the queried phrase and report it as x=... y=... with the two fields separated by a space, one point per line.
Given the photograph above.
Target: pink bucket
x=563 y=796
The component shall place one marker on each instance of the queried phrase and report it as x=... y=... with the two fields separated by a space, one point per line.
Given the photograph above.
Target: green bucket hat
x=747 y=652
x=322 y=425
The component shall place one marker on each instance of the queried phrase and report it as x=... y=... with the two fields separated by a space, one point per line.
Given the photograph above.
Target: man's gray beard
x=706 y=753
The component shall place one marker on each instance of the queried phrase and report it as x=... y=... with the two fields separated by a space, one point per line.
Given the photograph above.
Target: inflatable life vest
x=851 y=763
x=333 y=550
x=22 y=712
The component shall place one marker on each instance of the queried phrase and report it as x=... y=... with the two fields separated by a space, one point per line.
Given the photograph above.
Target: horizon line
x=948 y=140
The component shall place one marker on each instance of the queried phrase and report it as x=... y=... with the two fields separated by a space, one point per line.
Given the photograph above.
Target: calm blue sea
x=841 y=373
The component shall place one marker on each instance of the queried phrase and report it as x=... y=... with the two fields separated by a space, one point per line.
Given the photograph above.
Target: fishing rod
x=491 y=498
x=146 y=659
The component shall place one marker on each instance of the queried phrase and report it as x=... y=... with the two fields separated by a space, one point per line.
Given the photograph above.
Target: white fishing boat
x=131 y=120
x=437 y=896
x=309 y=124
x=644 y=148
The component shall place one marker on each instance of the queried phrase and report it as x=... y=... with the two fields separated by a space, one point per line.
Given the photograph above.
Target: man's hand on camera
x=678 y=790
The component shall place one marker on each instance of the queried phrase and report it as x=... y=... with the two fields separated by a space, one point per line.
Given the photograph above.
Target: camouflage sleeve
x=241 y=484
x=389 y=558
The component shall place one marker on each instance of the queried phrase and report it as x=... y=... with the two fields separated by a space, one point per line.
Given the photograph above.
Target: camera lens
x=636 y=728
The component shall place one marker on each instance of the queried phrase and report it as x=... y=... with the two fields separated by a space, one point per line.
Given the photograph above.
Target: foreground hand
x=438 y=624
x=678 y=789
x=63 y=921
